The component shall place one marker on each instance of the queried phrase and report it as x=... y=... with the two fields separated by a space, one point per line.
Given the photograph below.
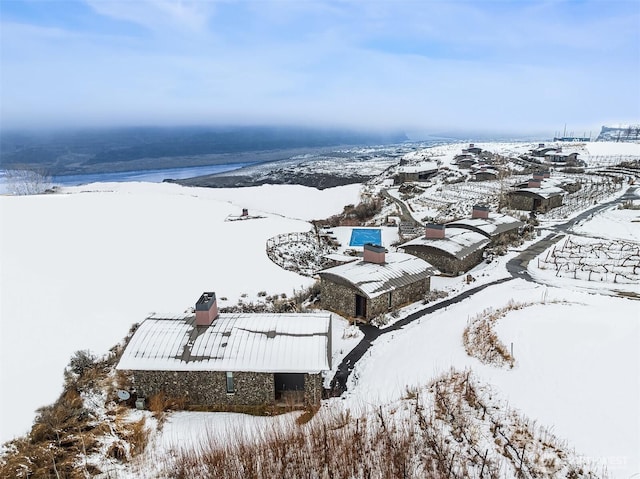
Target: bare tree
x=26 y=182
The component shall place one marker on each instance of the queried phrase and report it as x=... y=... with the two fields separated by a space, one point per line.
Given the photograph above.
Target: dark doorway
x=361 y=306
x=289 y=387
x=537 y=202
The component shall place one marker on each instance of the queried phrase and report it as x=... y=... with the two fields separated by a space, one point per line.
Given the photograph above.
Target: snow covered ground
x=81 y=267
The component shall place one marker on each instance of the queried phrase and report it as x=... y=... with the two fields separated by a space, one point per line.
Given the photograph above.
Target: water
x=150 y=176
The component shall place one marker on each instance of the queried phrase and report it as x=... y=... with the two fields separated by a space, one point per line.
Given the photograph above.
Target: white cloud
x=158 y=15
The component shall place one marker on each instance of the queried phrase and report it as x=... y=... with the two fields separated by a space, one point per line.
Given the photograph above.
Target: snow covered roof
x=457 y=242
x=399 y=269
x=541 y=192
x=340 y=258
x=283 y=343
x=495 y=224
x=421 y=168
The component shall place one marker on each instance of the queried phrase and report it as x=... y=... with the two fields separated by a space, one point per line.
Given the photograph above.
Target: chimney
x=533 y=183
x=538 y=175
x=206 y=309
x=245 y=212
x=546 y=174
x=540 y=145
x=434 y=231
x=373 y=254
x=480 y=211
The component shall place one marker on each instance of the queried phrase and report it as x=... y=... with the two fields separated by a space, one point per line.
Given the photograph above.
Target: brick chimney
x=206 y=309
x=538 y=175
x=471 y=145
x=245 y=212
x=373 y=254
x=540 y=145
x=546 y=174
x=533 y=183
x=480 y=211
x=434 y=231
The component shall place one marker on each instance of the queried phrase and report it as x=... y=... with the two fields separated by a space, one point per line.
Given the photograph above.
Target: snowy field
x=80 y=268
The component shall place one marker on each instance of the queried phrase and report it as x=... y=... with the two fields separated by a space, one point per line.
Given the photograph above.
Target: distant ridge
x=620 y=132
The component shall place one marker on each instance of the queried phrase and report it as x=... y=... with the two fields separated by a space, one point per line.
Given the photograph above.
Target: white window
x=230 y=385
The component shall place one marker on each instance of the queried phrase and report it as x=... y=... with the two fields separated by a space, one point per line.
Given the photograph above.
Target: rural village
x=508 y=227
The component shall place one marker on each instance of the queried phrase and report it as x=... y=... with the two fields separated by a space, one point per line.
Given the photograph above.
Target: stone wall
x=525 y=203
x=446 y=263
x=340 y=298
x=209 y=388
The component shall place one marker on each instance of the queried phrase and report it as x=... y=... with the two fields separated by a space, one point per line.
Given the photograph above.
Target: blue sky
x=431 y=66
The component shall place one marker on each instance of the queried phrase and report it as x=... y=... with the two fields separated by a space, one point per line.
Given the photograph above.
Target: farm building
x=465 y=161
x=234 y=359
x=538 y=195
x=473 y=149
x=561 y=157
x=422 y=172
x=450 y=249
x=486 y=174
x=499 y=228
x=374 y=284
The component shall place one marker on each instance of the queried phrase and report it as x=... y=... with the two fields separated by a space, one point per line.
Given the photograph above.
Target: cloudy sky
x=494 y=66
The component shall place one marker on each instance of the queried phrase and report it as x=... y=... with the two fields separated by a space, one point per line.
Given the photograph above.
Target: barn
x=234 y=359
x=450 y=249
x=375 y=284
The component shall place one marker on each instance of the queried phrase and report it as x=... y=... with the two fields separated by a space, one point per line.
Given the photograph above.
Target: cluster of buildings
x=225 y=360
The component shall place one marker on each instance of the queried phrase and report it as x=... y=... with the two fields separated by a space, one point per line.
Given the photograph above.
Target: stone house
x=536 y=196
x=375 y=284
x=561 y=157
x=497 y=227
x=473 y=149
x=486 y=174
x=234 y=359
x=452 y=250
x=422 y=172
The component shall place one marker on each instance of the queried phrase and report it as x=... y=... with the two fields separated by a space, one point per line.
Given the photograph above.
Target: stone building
x=450 y=249
x=375 y=284
x=537 y=195
x=498 y=228
x=421 y=172
x=235 y=359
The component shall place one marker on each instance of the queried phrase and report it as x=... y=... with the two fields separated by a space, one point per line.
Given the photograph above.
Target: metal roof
x=282 y=343
x=494 y=225
x=457 y=242
x=373 y=279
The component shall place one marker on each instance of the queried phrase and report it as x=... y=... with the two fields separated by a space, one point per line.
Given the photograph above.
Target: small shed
x=235 y=359
x=452 y=250
x=375 y=284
